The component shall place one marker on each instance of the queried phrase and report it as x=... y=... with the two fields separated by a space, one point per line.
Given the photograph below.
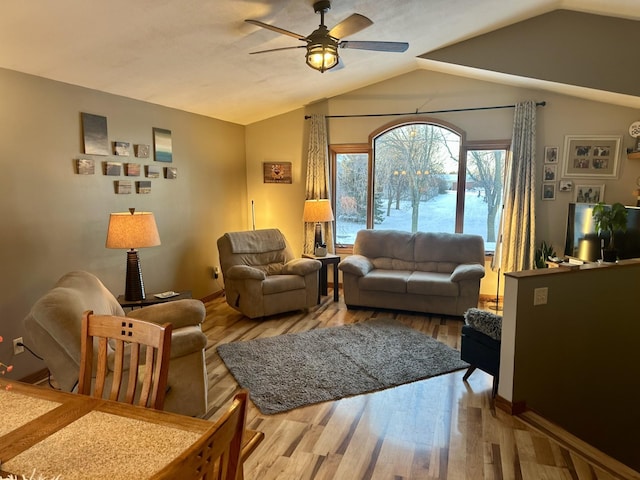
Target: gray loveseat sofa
x=423 y=272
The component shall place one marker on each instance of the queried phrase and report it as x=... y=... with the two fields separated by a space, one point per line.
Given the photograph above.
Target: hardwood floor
x=440 y=428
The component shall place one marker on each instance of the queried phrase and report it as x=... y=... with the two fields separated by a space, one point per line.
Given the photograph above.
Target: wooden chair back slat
x=126 y=336
x=216 y=455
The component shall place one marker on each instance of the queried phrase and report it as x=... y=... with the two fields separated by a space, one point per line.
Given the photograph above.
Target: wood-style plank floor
x=440 y=428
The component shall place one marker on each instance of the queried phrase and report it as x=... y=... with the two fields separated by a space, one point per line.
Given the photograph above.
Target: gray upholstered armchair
x=261 y=275
x=53 y=331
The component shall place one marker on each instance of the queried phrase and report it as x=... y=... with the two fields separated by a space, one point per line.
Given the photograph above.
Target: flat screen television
x=583 y=243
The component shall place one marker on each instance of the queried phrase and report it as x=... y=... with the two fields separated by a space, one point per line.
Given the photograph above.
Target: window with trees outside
x=419 y=176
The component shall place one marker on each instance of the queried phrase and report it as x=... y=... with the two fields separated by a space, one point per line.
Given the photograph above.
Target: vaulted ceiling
x=194 y=54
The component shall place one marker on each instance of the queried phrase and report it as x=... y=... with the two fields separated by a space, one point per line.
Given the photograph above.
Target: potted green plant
x=543 y=253
x=609 y=219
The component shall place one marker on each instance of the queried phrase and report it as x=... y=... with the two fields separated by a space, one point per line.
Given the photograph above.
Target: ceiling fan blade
x=350 y=25
x=278 y=49
x=376 y=46
x=258 y=23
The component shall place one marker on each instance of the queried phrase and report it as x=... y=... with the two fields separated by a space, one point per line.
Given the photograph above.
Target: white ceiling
x=194 y=54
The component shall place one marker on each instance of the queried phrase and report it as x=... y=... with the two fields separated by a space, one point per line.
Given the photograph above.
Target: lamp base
x=318 y=238
x=134 y=287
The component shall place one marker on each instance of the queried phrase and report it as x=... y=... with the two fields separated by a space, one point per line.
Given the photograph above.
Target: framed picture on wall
x=550 y=173
x=277 y=172
x=593 y=156
x=588 y=193
x=162 y=147
x=548 y=191
x=550 y=154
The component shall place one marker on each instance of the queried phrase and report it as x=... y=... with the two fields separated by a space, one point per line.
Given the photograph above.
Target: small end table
x=323 y=288
x=151 y=299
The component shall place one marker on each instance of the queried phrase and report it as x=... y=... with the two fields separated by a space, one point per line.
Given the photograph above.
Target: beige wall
x=574 y=359
x=429 y=91
x=54 y=221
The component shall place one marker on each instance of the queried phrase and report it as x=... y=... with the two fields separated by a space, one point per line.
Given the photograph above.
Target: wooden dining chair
x=125 y=336
x=217 y=454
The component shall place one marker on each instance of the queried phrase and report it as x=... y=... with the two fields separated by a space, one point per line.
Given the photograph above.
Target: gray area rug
x=297 y=369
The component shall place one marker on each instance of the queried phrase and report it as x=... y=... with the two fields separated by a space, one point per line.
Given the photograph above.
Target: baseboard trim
x=511 y=408
x=212 y=296
x=36 y=377
x=589 y=453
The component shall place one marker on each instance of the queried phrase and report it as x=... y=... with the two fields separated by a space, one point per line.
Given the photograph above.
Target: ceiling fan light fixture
x=322 y=54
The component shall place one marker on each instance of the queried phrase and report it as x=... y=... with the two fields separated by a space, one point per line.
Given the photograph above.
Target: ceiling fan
x=322 y=44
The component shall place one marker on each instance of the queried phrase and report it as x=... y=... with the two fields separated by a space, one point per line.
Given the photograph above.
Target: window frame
x=369 y=150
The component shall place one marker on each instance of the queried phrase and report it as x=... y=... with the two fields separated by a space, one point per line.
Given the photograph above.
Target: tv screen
x=583 y=243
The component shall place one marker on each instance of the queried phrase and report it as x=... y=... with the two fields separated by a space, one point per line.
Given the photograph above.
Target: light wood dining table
x=79 y=437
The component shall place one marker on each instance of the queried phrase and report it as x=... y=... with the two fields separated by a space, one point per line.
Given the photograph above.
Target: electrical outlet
x=216 y=272
x=540 y=296
x=18 y=349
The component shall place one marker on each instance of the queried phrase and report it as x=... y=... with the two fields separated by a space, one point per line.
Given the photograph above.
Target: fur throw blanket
x=486 y=322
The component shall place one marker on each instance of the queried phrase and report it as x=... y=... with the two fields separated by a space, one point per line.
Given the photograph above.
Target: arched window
x=419 y=175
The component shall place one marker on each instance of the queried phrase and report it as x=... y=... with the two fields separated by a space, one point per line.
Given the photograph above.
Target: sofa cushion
x=394 y=281
x=447 y=247
x=432 y=283
x=384 y=243
x=386 y=263
x=282 y=283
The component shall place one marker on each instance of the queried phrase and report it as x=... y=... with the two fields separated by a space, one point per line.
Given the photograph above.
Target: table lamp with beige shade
x=133 y=230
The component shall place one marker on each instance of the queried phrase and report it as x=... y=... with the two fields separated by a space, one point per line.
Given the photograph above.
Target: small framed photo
x=123 y=187
x=143 y=186
x=548 y=191
x=133 y=169
x=550 y=154
x=113 y=169
x=141 y=150
x=85 y=166
x=121 y=149
x=550 y=173
x=566 y=185
x=153 y=171
x=171 y=173
x=588 y=194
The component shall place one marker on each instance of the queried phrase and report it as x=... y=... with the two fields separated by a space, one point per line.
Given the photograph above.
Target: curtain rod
x=454 y=110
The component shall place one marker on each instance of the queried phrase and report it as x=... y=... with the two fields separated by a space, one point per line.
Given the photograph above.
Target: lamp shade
x=132 y=230
x=317 y=211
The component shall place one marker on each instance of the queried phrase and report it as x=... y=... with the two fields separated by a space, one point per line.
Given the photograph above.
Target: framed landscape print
x=591 y=156
x=94 y=131
x=162 y=147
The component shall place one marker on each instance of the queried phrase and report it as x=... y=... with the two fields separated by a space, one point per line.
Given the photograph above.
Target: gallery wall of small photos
x=587 y=161
x=96 y=142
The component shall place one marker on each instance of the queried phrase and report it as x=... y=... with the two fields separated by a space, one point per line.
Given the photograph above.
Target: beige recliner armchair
x=53 y=332
x=261 y=275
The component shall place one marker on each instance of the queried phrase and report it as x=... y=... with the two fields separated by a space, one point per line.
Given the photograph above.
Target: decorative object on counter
x=130 y=231
x=162 y=148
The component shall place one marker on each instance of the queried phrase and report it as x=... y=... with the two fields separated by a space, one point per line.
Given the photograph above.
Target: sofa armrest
x=467 y=271
x=179 y=313
x=187 y=340
x=358 y=265
x=245 y=272
x=301 y=266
